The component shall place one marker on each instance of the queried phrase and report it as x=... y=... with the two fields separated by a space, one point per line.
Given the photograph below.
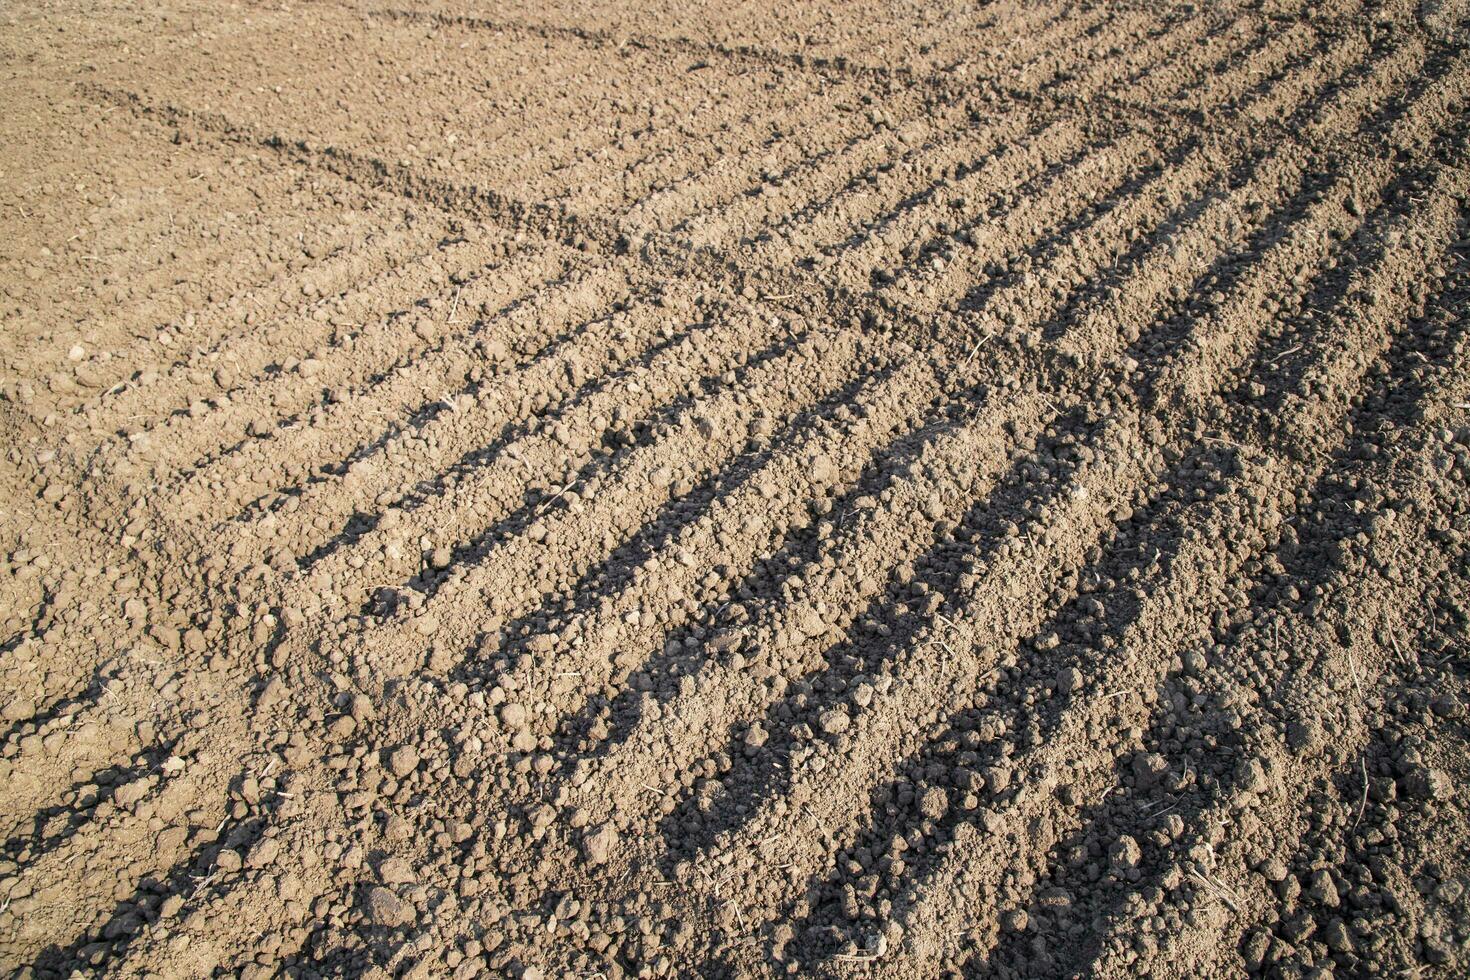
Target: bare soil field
x=713 y=489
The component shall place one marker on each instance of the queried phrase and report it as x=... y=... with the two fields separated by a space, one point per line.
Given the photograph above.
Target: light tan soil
x=699 y=489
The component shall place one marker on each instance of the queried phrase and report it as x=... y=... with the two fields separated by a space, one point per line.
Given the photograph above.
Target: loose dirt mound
x=696 y=489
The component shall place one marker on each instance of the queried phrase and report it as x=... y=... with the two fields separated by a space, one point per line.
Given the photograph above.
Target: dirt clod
x=385 y=909
x=598 y=843
x=403 y=760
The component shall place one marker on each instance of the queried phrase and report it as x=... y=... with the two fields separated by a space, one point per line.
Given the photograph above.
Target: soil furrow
x=568 y=446
x=1268 y=472
x=680 y=489
x=929 y=684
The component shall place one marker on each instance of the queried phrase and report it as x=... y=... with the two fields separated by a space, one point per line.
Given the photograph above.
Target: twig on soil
x=868 y=957
x=1363 y=803
x=954 y=627
x=1217 y=889
x=1225 y=442
x=1394 y=640
x=1353 y=667
x=979 y=344
x=555 y=497
x=1165 y=809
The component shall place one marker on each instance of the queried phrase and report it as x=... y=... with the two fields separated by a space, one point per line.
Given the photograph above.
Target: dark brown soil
x=735 y=490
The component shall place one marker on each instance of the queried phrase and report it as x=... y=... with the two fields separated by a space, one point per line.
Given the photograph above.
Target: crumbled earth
x=856 y=489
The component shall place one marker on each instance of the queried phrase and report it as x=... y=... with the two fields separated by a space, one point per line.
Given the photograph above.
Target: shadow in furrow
x=1076 y=883
x=131 y=915
x=88 y=695
x=438 y=485
x=682 y=654
x=53 y=825
x=417 y=418
x=472 y=552
x=616 y=572
x=1307 y=555
x=1022 y=705
x=1049 y=246
x=884 y=630
x=1041 y=673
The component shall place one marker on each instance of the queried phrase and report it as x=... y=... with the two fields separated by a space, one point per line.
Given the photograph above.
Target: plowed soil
x=708 y=489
